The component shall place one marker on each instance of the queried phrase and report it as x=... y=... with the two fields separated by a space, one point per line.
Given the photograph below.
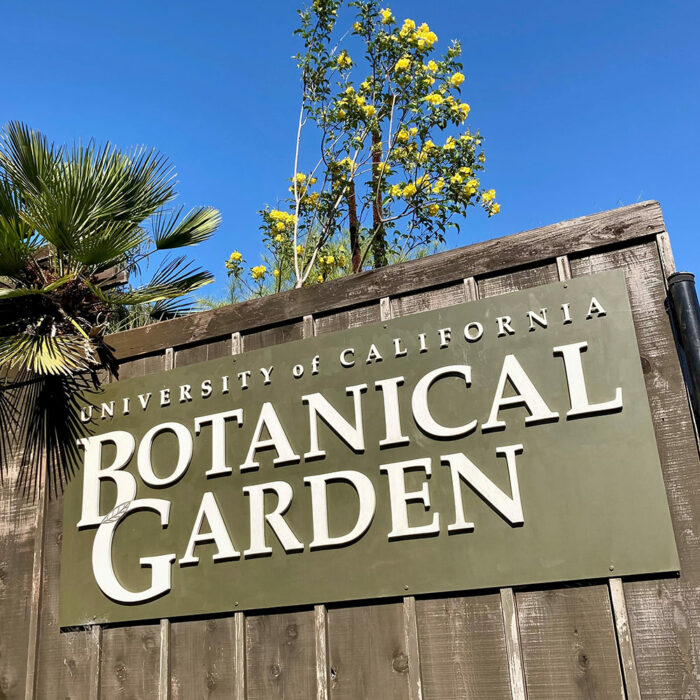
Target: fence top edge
x=475 y=260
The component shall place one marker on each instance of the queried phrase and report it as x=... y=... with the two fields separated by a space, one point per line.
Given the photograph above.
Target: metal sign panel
x=500 y=442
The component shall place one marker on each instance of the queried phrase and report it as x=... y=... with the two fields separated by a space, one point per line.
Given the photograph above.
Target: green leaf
x=197 y=225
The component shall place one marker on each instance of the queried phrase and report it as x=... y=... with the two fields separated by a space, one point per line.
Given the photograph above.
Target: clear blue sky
x=584 y=106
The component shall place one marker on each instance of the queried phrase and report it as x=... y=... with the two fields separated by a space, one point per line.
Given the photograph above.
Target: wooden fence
x=607 y=639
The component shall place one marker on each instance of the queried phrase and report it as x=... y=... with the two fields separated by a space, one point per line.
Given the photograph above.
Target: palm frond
x=26 y=157
x=47 y=355
x=170 y=231
x=175 y=277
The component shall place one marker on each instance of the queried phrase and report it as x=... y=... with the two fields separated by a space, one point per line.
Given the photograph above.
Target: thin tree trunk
x=379 y=243
x=354 y=226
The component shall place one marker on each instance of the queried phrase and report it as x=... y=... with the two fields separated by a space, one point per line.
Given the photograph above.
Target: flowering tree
x=386 y=178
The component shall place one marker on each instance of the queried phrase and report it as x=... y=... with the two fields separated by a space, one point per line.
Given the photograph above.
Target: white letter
x=144 y=400
x=510 y=507
x=266 y=374
x=343 y=357
x=278 y=439
x=102 y=557
x=504 y=326
x=218 y=438
x=540 y=320
x=218 y=533
x=184 y=452
x=577 y=384
x=468 y=334
x=243 y=377
x=107 y=410
x=206 y=388
x=279 y=526
x=445 y=337
x=319 y=507
x=93 y=474
x=185 y=392
x=567 y=314
x=373 y=355
x=319 y=407
x=400 y=498
x=527 y=396
x=419 y=402
x=392 y=418
x=595 y=308
x=398 y=350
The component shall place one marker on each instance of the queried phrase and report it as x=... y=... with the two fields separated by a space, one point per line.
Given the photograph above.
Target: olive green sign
x=499 y=442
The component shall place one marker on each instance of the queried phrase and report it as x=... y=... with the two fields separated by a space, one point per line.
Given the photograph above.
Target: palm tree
x=73 y=224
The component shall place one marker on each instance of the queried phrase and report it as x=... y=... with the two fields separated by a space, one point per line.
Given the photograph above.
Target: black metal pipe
x=686 y=316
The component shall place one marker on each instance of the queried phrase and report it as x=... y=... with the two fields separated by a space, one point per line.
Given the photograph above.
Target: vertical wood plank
x=239 y=662
x=280 y=650
x=37 y=581
x=668 y=264
x=664 y=615
x=321 y=620
x=513 y=649
x=164 y=662
x=415 y=688
x=471 y=291
x=462 y=647
x=368 y=656
x=281 y=656
x=560 y=661
x=202 y=651
x=131 y=655
x=624 y=639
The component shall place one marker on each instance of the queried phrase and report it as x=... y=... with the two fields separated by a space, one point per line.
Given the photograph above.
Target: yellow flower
x=413 y=130
x=300 y=248
x=283 y=216
x=495 y=208
x=464 y=110
x=465 y=171
x=341 y=114
x=387 y=17
x=456 y=178
x=449 y=144
x=482 y=158
x=408 y=26
x=489 y=195
x=402 y=135
x=433 y=209
x=430 y=81
x=300 y=177
x=236 y=256
x=369 y=111
x=424 y=37
x=409 y=190
x=319 y=278
x=432 y=66
x=357 y=27
x=330 y=260
x=365 y=85
x=279 y=226
x=279 y=238
x=276 y=272
x=428 y=145
x=402 y=64
x=258 y=272
x=435 y=98
x=457 y=79
x=344 y=61
x=437 y=187
x=395 y=190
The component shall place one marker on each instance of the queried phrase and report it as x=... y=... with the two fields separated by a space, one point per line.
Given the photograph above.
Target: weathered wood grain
x=569 y=645
x=410 y=627
x=664 y=614
x=202 y=654
x=202 y=651
x=462 y=646
x=281 y=656
x=67 y=661
x=347 y=318
x=514 y=652
x=368 y=656
x=427 y=300
x=528 y=248
x=321 y=636
x=557 y=663
x=624 y=639
x=131 y=655
x=17 y=524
